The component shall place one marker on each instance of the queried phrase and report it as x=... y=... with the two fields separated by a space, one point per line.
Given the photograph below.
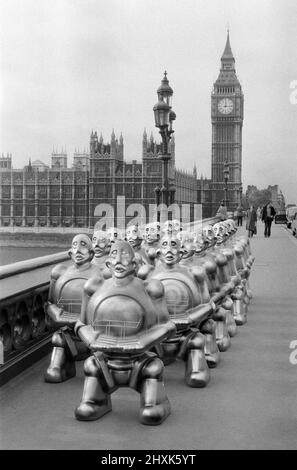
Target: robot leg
x=62 y=365
x=240 y=308
x=222 y=335
x=211 y=350
x=95 y=400
x=154 y=404
x=228 y=305
x=197 y=373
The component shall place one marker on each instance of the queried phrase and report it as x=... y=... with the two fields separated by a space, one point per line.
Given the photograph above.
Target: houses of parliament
x=58 y=196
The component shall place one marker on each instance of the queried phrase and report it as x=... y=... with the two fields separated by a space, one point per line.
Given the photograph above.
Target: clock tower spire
x=227 y=120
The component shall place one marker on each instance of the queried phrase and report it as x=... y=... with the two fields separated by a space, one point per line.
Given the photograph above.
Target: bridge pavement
x=250 y=403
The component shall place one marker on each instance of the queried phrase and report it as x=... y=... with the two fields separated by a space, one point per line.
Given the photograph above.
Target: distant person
x=268 y=214
x=222 y=211
x=239 y=215
x=259 y=213
x=251 y=221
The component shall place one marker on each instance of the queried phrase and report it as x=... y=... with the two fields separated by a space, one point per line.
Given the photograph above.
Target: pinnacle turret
x=227 y=54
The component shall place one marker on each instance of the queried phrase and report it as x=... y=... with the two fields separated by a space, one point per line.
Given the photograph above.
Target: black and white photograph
x=148 y=228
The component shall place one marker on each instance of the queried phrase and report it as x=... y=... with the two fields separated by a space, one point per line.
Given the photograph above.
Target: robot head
x=186 y=243
x=114 y=234
x=133 y=236
x=170 y=250
x=228 y=226
x=101 y=243
x=208 y=235
x=81 y=250
x=199 y=242
x=167 y=227
x=121 y=260
x=176 y=225
x=232 y=225
x=220 y=232
x=152 y=233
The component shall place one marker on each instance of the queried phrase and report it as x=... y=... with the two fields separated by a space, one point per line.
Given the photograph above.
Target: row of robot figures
x=128 y=305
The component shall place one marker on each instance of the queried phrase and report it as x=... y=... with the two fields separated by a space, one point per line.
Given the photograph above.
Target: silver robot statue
x=64 y=306
x=122 y=319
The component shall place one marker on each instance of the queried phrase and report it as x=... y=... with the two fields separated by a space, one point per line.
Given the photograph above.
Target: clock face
x=225 y=106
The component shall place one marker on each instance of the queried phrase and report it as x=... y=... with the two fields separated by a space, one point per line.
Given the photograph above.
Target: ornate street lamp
x=157 y=193
x=164 y=116
x=226 y=179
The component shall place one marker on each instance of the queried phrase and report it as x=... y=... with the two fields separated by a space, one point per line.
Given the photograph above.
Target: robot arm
x=85 y=332
x=52 y=309
x=90 y=287
x=152 y=254
x=156 y=292
x=199 y=274
x=57 y=271
x=144 y=271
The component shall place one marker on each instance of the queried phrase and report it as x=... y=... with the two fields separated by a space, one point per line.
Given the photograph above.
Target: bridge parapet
x=25 y=329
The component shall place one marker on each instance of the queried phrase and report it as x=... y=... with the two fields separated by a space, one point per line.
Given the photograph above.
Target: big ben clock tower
x=227 y=119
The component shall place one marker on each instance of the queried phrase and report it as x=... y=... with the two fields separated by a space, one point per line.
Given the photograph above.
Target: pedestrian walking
x=268 y=214
x=251 y=221
x=239 y=215
x=222 y=211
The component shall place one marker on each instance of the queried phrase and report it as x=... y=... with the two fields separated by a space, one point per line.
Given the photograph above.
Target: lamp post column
x=226 y=179
x=164 y=116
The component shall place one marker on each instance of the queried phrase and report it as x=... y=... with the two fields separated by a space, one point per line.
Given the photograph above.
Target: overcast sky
x=70 y=66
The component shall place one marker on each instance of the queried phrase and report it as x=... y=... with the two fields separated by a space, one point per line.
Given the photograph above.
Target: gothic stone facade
x=72 y=197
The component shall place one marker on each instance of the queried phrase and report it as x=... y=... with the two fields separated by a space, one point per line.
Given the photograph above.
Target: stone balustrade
x=25 y=329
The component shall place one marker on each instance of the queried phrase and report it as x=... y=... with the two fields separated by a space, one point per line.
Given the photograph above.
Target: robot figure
x=216 y=265
x=101 y=246
x=134 y=238
x=228 y=277
x=194 y=254
x=177 y=227
x=189 y=305
x=171 y=226
x=114 y=234
x=121 y=321
x=64 y=305
x=187 y=247
x=242 y=298
x=220 y=233
x=236 y=259
x=151 y=239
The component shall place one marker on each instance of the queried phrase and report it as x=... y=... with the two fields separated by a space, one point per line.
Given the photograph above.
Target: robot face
x=216 y=228
x=176 y=225
x=220 y=231
x=113 y=234
x=100 y=242
x=225 y=226
x=230 y=223
x=81 y=249
x=121 y=259
x=133 y=235
x=199 y=242
x=187 y=245
x=170 y=250
x=208 y=233
x=167 y=227
x=152 y=233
